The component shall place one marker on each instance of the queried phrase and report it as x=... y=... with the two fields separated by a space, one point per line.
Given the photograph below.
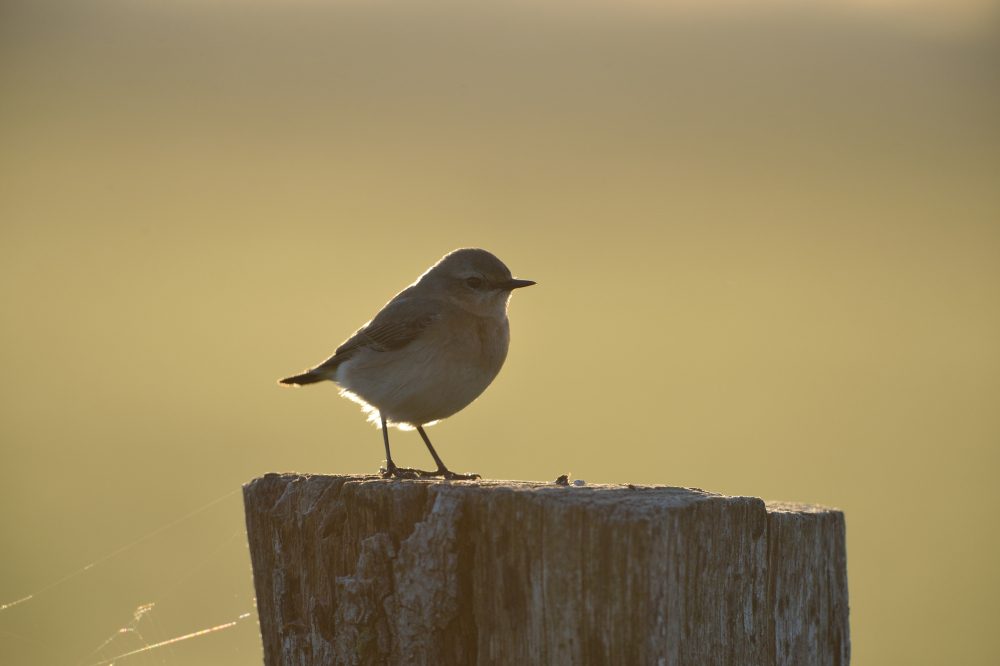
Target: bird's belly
x=424 y=382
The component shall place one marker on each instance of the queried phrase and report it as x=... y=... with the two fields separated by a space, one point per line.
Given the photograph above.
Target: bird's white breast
x=435 y=376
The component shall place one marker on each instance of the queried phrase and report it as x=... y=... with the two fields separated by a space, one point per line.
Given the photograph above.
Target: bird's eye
x=474 y=282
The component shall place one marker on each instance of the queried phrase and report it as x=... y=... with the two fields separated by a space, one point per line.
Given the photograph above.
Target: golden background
x=766 y=241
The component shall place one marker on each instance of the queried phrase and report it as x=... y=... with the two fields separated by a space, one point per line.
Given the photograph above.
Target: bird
x=429 y=352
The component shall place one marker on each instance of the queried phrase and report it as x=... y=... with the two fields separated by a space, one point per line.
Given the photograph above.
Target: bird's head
x=474 y=280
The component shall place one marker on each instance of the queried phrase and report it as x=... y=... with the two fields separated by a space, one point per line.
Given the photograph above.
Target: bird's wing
x=398 y=324
x=387 y=336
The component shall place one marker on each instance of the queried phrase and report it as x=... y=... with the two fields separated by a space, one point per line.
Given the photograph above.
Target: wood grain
x=360 y=571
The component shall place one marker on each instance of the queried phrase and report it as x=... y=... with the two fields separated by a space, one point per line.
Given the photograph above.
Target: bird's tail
x=310 y=377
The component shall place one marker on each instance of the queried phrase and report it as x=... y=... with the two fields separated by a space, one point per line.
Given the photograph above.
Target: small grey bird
x=431 y=351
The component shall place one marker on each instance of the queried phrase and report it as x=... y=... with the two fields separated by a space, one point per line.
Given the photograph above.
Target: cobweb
x=169 y=626
x=122 y=645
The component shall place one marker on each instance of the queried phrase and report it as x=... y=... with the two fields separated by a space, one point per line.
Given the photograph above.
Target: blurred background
x=766 y=239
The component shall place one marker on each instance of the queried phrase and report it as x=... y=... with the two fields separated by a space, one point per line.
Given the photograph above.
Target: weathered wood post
x=356 y=570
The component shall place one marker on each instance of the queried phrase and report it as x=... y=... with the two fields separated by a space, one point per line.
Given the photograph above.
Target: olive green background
x=766 y=241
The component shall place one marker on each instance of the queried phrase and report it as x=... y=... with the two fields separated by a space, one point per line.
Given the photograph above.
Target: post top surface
x=626 y=495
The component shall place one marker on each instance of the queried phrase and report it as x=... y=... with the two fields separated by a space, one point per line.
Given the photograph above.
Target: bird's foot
x=409 y=473
x=448 y=475
x=398 y=472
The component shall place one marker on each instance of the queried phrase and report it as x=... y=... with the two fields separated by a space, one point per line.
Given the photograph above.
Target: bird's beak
x=515 y=284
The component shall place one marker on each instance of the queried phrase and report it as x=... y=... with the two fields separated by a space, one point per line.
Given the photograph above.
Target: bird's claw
x=448 y=475
x=399 y=472
x=410 y=473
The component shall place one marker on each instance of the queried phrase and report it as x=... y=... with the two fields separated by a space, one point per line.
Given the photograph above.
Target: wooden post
x=358 y=571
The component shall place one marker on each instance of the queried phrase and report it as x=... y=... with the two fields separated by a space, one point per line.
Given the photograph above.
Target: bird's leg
x=390 y=469
x=441 y=469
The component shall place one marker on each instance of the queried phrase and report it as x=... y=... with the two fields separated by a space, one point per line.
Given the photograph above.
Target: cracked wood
x=359 y=571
